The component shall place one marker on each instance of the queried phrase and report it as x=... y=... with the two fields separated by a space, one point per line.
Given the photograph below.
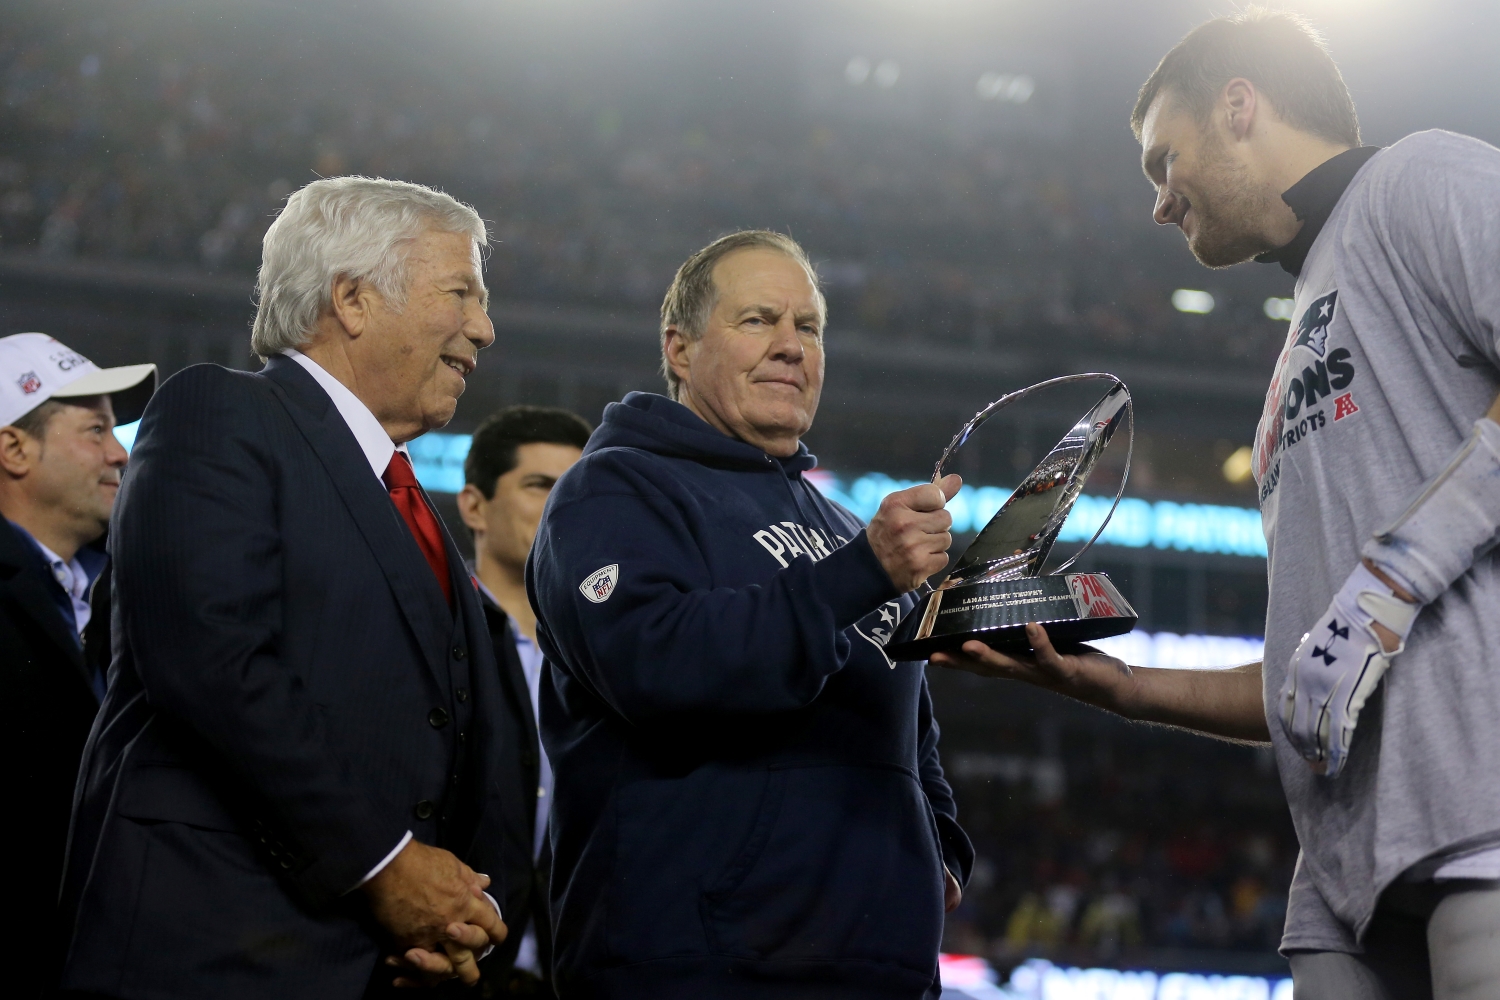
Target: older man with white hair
x=292 y=772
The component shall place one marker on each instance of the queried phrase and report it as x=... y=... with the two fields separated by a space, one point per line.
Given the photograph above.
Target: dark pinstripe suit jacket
x=289 y=694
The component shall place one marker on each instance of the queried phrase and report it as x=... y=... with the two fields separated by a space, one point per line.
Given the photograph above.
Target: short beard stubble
x=1228 y=230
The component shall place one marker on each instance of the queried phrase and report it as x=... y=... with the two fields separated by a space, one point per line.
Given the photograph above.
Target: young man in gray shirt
x=1378 y=463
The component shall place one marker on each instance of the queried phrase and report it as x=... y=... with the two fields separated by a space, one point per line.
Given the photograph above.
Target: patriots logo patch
x=599 y=584
x=1312 y=328
x=878 y=627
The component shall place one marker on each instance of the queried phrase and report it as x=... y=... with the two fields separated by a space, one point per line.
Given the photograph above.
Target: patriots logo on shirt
x=1312 y=328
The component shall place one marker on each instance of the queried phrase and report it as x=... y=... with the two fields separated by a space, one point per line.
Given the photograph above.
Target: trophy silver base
x=1075 y=608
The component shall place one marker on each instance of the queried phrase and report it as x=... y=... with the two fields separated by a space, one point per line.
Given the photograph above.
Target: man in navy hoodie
x=749 y=802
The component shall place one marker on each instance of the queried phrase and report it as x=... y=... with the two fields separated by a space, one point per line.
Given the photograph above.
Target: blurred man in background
x=516 y=457
x=295 y=768
x=59 y=472
x=749 y=797
x=1378 y=462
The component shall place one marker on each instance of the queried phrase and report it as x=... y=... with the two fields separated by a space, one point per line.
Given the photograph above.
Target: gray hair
x=362 y=227
x=692 y=295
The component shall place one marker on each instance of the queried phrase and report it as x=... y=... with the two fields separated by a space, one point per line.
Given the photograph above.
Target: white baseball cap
x=35 y=368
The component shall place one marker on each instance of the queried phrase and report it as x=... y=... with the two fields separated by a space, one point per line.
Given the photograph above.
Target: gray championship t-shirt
x=1393 y=353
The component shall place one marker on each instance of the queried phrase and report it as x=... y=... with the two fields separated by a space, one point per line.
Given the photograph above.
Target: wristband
x=1450 y=525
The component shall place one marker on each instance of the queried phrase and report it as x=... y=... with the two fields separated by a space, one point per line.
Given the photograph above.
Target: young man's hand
x=1225 y=703
x=1094 y=678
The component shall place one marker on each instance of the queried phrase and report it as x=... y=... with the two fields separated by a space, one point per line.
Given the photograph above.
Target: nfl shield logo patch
x=599 y=584
x=29 y=383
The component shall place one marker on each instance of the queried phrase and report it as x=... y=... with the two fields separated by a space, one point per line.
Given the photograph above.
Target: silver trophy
x=997 y=586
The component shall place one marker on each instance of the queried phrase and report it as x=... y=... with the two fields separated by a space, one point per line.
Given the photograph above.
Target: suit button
x=437 y=718
x=286 y=863
x=425 y=809
x=458 y=652
x=453 y=781
x=462 y=694
x=463 y=738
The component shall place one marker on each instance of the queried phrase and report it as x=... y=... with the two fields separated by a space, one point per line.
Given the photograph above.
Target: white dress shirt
x=531 y=665
x=378 y=448
x=371 y=437
x=74 y=580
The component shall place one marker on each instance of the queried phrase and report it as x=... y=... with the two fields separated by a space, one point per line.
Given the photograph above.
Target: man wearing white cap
x=59 y=472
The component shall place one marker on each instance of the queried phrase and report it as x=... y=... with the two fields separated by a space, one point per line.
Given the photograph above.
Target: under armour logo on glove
x=1320 y=703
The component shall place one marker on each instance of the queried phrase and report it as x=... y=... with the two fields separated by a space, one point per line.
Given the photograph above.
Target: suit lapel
x=406 y=570
x=28 y=587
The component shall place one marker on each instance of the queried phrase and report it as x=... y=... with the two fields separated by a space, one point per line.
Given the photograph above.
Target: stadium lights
x=1005 y=87
x=1237 y=465
x=125 y=434
x=1184 y=652
x=885 y=73
x=438 y=460
x=1279 y=309
x=1165 y=525
x=1191 y=300
x=1038 y=979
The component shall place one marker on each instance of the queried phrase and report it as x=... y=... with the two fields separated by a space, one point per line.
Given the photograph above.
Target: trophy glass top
x=1016 y=541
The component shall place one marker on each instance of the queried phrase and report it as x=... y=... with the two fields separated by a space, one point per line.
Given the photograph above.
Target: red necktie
x=407 y=496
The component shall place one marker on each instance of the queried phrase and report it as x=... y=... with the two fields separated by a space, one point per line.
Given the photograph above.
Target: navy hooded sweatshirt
x=749 y=801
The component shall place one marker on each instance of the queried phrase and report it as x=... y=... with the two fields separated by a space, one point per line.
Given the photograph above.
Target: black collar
x=1312 y=199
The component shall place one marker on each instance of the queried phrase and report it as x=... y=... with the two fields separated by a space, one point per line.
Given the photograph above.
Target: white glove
x=1337 y=667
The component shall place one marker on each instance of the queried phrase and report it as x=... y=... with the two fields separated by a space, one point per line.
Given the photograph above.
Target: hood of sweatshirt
x=654 y=423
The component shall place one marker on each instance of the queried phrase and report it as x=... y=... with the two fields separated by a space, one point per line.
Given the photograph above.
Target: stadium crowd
x=1044 y=883
x=661 y=704
x=1095 y=863
x=165 y=141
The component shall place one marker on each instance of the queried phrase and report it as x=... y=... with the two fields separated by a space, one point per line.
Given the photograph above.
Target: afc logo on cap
x=29 y=383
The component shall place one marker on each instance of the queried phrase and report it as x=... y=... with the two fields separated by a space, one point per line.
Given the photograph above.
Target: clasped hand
x=435 y=909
